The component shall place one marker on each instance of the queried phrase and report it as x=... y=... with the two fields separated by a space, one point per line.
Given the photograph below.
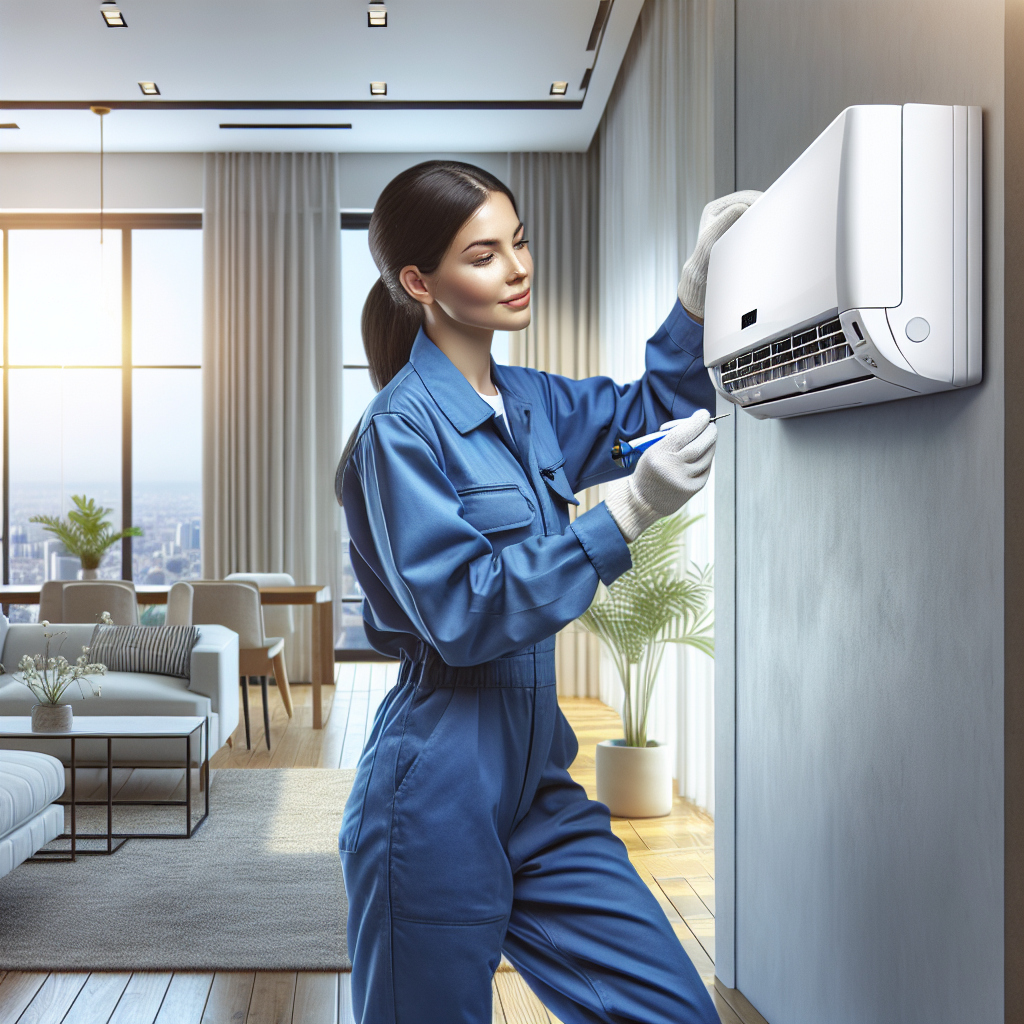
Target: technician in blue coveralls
x=464 y=835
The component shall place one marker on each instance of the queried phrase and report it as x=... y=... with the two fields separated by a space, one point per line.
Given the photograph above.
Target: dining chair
x=236 y=605
x=278 y=619
x=179 y=604
x=71 y=601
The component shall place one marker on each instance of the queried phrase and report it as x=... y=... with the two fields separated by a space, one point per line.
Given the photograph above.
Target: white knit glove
x=667 y=475
x=718 y=216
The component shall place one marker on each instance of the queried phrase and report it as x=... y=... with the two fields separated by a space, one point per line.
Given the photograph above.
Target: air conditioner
x=856 y=278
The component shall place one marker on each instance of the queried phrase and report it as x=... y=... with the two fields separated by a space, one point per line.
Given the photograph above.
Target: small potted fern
x=647 y=607
x=86 y=533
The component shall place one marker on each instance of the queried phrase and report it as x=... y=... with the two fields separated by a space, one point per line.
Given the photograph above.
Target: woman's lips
x=518 y=301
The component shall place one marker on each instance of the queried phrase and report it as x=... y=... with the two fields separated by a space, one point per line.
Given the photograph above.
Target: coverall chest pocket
x=493 y=508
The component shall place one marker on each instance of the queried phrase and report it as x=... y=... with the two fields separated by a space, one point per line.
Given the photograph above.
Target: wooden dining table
x=318 y=596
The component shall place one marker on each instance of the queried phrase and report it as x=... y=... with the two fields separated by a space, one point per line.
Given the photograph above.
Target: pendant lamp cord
x=102 y=112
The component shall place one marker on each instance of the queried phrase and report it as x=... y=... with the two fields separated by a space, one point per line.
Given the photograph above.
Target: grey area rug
x=258 y=887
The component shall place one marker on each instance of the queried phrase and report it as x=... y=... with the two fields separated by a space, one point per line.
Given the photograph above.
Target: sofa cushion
x=166 y=650
x=27 y=638
x=123 y=693
x=28 y=782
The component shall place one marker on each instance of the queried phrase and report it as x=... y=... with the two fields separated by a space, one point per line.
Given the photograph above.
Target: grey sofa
x=211 y=691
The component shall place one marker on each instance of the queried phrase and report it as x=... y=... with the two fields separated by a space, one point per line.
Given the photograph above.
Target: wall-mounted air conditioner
x=856 y=278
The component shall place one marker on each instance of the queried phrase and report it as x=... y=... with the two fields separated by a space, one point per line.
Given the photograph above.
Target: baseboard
x=739 y=1004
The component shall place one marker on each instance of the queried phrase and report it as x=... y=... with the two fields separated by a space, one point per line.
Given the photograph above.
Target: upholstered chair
x=86 y=601
x=278 y=619
x=179 y=604
x=236 y=605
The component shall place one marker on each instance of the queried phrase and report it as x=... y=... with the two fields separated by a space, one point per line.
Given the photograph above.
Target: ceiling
x=462 y=75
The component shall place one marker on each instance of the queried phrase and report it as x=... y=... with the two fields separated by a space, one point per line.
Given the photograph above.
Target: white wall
x=174 y=181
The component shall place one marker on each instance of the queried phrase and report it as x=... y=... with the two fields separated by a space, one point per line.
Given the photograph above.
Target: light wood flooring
x=674 y=856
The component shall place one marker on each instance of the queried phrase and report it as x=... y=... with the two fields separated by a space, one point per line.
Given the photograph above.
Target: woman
x=464 y=835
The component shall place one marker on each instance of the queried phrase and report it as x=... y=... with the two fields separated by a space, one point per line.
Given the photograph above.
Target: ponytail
x=390 y=323
x=416 y=218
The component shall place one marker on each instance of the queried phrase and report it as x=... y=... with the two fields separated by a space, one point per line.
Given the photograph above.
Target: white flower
x=106 y=619
x=45 y=622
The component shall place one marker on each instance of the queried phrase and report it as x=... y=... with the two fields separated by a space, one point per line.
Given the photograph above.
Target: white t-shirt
x=497 y=403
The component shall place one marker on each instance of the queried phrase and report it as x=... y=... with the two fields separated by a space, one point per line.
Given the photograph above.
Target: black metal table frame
x=110 y=835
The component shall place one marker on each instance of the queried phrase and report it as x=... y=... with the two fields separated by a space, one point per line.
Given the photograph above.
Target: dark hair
x=414 y=223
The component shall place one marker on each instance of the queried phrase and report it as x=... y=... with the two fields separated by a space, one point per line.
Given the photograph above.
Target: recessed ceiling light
x=378 y=88
x=149 y=88
x=113 y=17
x=558 y=88
x=377 y=15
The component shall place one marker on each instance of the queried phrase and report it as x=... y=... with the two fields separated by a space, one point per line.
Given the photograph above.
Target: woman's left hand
x=718 y=216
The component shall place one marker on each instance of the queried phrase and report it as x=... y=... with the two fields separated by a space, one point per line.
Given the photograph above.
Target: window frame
x=125 y=223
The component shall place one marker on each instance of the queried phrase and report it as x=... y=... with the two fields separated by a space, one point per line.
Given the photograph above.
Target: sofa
x=211 y=691
x=29 y=784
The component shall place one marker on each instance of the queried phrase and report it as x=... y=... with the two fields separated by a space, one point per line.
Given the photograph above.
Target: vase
x=634 y=782
x=51 y=718
x=88 y=574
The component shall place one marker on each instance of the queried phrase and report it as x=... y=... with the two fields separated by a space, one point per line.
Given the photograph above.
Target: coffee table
x=113 y=728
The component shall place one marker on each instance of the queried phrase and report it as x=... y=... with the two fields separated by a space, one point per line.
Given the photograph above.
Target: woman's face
x=484 y=279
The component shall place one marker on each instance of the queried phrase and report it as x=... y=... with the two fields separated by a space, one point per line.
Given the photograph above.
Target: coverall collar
x=448 y=387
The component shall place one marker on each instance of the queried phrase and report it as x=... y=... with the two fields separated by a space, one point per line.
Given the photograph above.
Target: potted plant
x=647 y=607
x=86 y=533
x=49 y=678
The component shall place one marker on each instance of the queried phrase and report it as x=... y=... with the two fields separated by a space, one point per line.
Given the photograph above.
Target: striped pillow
x=164 y=650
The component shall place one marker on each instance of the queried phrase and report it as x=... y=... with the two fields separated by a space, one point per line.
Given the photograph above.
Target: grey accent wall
x=869 y=595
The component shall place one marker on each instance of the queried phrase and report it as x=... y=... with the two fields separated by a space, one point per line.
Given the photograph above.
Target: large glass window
x=101 y=371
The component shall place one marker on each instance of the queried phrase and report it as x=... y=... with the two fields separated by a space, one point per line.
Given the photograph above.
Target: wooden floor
x=674 y=856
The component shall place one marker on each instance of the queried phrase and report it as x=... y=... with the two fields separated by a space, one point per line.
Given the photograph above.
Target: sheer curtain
x=655 y=146
x=558 y=203
x=272 y=370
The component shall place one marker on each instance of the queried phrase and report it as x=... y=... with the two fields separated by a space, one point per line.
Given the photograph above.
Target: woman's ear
x=413 y=283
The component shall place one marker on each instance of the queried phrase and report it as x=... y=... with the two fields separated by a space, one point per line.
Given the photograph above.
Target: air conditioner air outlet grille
x=785 y=357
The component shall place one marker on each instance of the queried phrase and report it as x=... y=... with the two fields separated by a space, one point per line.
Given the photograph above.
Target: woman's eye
x=484 y=260
x=522 y=242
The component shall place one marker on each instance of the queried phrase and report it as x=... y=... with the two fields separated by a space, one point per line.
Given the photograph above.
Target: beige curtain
x=272 y=370
x=558 y=203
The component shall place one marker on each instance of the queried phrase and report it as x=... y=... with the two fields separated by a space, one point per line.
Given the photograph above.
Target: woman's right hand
x=719 y=215
x=667 y=475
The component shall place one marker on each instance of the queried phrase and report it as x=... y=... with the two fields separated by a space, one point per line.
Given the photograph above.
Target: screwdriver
x=626 y=453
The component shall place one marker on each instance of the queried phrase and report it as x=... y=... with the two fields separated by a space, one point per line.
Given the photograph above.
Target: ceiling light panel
x=149 y=88
x=377 y=16
x=559 y=88
x=378 y=88
x=113 y=17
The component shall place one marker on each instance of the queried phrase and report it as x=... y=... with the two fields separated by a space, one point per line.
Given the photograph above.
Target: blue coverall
x=464 y=835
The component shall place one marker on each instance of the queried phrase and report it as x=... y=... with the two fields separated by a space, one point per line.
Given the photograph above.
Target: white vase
x=88 y=574
x=51 y=718
x=634 y=782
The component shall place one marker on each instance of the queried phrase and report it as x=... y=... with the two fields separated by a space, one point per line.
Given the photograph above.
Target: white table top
x=107 y=726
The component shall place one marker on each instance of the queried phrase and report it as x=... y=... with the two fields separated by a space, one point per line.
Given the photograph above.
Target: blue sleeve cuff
x=603 y=543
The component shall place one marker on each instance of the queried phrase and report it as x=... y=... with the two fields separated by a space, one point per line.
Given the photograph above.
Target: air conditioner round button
x=918 y=329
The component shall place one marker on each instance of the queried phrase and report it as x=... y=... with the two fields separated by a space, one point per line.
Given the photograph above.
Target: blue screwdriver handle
x=627 y=453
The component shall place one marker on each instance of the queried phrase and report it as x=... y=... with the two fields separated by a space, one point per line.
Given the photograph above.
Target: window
x=101 y=381
x=358 y=275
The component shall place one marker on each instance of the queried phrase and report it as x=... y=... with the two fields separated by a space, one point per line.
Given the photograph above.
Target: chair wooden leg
x=245 y=709
x=281 y=675
x=266 y=710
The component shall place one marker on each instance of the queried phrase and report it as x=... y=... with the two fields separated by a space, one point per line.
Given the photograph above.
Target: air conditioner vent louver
x=784 y=357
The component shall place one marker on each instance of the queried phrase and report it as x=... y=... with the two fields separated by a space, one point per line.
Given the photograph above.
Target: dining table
x=318 y=596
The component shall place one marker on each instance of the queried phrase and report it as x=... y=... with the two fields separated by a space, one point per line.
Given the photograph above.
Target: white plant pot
x=88 y=574
x=634 y=782
x=51 y=717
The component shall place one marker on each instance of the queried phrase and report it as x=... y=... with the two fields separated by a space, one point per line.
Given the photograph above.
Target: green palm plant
x=86 y=533
x=647 y=607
